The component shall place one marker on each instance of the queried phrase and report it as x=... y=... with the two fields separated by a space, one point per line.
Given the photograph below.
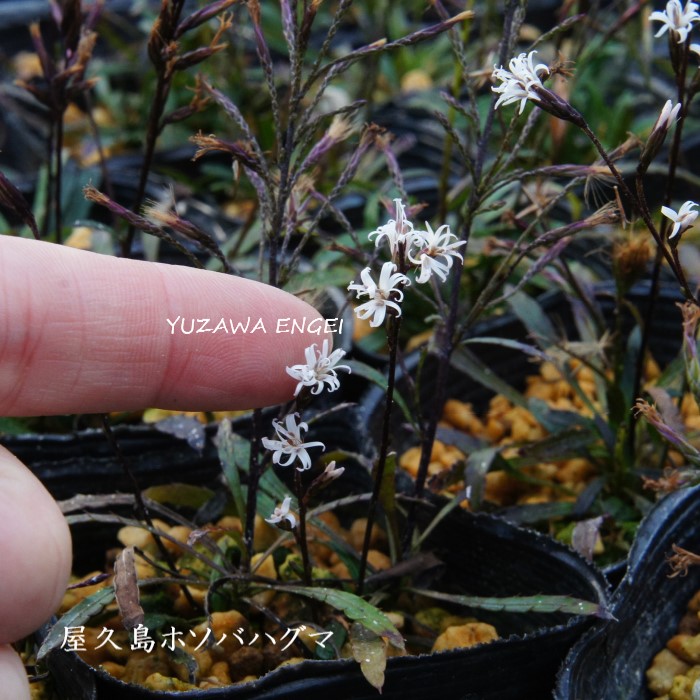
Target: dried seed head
x=161 y=212
x=630 y=259
x=340 y=128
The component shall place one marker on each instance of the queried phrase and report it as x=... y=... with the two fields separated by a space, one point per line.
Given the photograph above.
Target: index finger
x=87 y=333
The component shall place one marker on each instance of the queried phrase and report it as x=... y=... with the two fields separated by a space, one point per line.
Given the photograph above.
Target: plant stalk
x=378 y=476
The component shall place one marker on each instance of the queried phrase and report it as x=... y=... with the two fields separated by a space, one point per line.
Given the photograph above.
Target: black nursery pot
x=482 y=556
x=610 y=661
x=513 y=366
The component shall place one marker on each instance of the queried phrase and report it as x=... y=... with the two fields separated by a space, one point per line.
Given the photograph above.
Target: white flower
x=320 y=367
x=517 y=82
x=290 y=444
x=379 y=294
x=396 y=231
x=281 y=513
x=431 y=246
x=682 y=219
x=695 y=48
x=667 y=118
x=676 y=18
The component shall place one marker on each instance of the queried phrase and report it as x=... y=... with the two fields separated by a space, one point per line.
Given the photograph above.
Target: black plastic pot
x=610 y=661
x=513 y=367
x=482 y=555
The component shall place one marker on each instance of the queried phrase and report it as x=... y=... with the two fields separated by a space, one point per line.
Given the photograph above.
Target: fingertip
x=13 y=677
x=130 y=335
x=36 y=551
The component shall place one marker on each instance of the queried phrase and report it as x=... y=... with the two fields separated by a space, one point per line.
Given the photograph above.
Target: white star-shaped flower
x=290 y=445
x=517 y=83
x=320 y=368
x=682 y=219
x=431 y=246
x=396 y=231
x=380 y=294
x=677 y=18
x=281 y=513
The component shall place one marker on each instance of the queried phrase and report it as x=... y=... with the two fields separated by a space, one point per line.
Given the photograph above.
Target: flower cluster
x=677 y=18
x=522 y=83
x=430 y=252
x=519 y=82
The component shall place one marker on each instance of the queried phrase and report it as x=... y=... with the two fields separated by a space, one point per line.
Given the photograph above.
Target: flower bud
x=666 y=119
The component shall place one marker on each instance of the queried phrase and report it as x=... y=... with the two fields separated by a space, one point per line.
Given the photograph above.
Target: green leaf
x=354 y=607
x=523 y=604
x=338 y=638
x=271 y=492
x=234 y=453
x=565 y=445
x=366 y=372
x=465 y=361
x=533 y=318
x=509 y=343
x=77 y=616
x=555 y=420
x=444 y=512
x=177 y=494
x=478 y=464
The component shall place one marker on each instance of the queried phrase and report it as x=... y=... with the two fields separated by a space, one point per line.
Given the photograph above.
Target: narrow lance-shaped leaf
x=77 y=616
x=465 y=361
x=354 y=607
x=234 y=453
x=533 y=318
x=478 y=464
x=510 y=343
x=523 y=604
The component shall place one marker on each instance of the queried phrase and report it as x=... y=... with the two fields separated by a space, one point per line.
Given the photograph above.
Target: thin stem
x=106 y=178
x=152 y=133
x=58 y=172
x=49 y=180
x=393 y=340
x=254 y=474
x=302 y=540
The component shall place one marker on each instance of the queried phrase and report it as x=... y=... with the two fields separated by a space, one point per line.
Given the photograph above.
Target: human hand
x=85 y=333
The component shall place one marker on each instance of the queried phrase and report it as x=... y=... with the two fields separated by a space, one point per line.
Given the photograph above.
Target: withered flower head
x=630 y=259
